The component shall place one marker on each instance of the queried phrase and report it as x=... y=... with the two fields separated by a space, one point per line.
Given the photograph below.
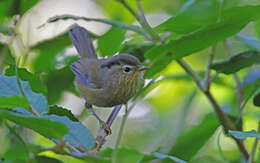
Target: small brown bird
x=104 y=82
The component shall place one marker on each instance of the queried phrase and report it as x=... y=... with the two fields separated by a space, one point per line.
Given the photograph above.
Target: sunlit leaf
x=110 y=42
x=43 y=126
x=44 y=159
x=12 y=154
x=237 y=62
x=193 y=15
x=245 y=134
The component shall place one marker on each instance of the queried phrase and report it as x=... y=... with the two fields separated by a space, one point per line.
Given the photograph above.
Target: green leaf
x=14 y=102
x=233 y=20
x=137 y=50
x=237 y=62
x=201 y=133
x=60 y=111
x=9 y=88
x=257 y=28
x=207 y=159
x=245 y=134
x=193 y=15
x=43 y=126
x=5 y=6
x=124 y=155
x=78 y=135
x=110 y=42
x=48 y=49
x=25 y=75
x=160 y=156
x=16 y=153
x=27 y=4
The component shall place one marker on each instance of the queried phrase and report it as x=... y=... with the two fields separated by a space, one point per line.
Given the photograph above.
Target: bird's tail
x=82 y=42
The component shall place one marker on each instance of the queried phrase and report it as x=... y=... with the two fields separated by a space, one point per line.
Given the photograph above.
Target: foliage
x=34 y=77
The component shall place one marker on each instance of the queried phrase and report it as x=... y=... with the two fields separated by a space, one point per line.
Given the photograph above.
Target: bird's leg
x=102 y=124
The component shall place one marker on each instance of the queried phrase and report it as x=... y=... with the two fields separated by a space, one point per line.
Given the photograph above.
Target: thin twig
x=102 y=134
x=143 y=23
x=133 y=28
x=120 y=132
x=252 y=153
x=207 y=79
x=237 y=80
x=142 y=15
x=224 y=119
x=192 y=73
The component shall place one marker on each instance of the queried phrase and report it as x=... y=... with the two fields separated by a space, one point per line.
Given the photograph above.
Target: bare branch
x=102 y=134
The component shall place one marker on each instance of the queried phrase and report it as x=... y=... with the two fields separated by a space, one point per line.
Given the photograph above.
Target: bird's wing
x=82 y=42
x=82 y=76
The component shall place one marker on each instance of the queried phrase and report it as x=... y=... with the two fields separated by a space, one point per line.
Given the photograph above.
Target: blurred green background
x=173 y=117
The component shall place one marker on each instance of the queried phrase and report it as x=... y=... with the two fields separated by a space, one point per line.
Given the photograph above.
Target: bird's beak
x=142 y=68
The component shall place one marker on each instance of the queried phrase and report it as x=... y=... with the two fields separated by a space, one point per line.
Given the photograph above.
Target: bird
x=104 y=82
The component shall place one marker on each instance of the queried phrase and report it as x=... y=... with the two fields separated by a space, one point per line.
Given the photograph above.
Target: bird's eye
x=127 y=69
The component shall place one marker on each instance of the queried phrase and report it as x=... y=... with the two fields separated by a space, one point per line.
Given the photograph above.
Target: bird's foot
x=105 y=127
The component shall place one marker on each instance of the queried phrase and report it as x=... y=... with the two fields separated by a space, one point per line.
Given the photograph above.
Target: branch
x=207 y=79
x=120 y=133
x=105 y=21
x=224 y=119
x=192 y=73
x=252 y=153
x=142 y=16
x=102 y=134
x=143 y=23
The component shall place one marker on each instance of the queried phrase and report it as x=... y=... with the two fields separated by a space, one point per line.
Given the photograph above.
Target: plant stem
x=141 y=20
x=119 y=137
x=207 y=79
x=224 y=119
x=252 y=153
x=192 y=73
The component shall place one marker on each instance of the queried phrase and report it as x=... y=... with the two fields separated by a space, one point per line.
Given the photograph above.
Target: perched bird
x=104 y=82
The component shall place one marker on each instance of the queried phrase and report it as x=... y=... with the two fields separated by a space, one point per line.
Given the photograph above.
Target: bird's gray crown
x=121 y=58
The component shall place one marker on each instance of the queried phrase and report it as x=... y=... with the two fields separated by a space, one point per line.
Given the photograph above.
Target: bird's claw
x=105 y=127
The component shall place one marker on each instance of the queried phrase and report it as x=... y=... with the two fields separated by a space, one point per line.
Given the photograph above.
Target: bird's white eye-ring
x=127 y=69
